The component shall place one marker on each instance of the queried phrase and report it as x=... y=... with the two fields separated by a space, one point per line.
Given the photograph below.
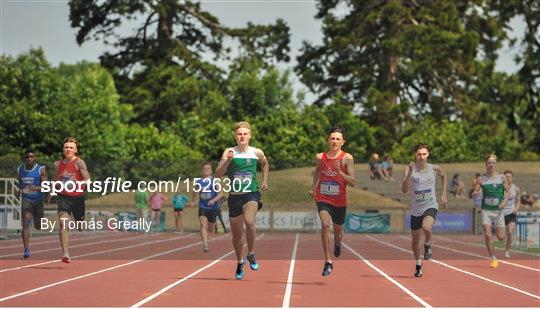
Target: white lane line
x=472 y=244
x=36 y=241
x=99 y=252
x=75 y=246
x=382 y=273
x=101 y=271
x=288 y=290
x=170 y=286
x=479 y=256
x=457 y=269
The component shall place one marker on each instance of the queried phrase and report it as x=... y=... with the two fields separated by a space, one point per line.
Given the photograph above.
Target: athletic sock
x=418 y=262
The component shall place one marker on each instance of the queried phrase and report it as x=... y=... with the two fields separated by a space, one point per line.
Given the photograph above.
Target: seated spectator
x=456 y=187
x=375 y=170
x=387 y=167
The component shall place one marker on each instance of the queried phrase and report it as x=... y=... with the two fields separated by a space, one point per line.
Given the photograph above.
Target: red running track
x=168 y=270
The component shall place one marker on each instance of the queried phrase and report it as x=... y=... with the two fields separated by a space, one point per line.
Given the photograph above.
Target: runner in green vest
x=239 y=164
x=495 y=190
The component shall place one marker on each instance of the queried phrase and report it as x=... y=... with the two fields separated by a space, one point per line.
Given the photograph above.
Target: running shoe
x=240 y=270
x=427 y=252
x=252 y=261
x=337 y=249
x=327 y=268
x=206 y=248
x=26 y=253
x=418 y=272
x=494 y=263
x=507 y=254
x=66 y=259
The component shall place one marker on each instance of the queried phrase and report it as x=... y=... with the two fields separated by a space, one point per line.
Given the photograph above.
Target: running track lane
x=54 y=252
x=30 y=278
x=262 y=288
x=516 y=257
x=440 y=286
x=473 y=241
x=16 y=239
x=55 y=249
x=521 y=278
x=352 y=282
x=41 y=241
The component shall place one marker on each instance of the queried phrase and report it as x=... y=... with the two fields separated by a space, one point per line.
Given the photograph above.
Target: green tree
x=42 y=105
x=528 y=62
x=169 y=33
x=456 y=141
x=395 y=61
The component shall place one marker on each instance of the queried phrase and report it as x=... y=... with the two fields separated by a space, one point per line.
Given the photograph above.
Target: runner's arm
x=56 y=164
x=265 y=167
x=83 y=169
x=218 y=197
x=43 y=176
x=194 y=198
x=407 y=178
x=476 y=191
x=506 y=192
x=444 y=180
x=349 y=175
x=221 y=169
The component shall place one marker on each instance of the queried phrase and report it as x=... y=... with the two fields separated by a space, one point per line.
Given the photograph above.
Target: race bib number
x=492 y=201
x=329 y=188
x=206 y=196
x=28 y=185
x=422 y=196
x=247 y=176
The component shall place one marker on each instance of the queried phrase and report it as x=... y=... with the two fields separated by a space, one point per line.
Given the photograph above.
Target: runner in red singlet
x=335 y=170
x=70 y=170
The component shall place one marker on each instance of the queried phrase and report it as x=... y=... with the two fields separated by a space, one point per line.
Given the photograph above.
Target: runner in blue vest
x=30 y=175
x=207 y=194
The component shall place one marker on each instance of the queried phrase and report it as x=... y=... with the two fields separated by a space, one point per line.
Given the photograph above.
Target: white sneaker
x=507 y=254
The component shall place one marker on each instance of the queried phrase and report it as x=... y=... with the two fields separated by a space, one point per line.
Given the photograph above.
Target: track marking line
x=101 y=271
x=479 y=256
x=458 y=269
x=472 y=244
x=180 y=281
x=75 y=246
x=288 y=290
x=34 y=240
x=99 y=252
x=382 y=273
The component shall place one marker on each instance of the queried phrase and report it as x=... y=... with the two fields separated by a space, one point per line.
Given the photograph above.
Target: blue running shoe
x=240 y=270
x=327 y=269
x=252 y=261
x=26 y=253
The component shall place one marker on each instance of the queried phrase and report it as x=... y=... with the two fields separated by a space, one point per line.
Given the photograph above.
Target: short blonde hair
x=242 y=124
x=491 y=156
